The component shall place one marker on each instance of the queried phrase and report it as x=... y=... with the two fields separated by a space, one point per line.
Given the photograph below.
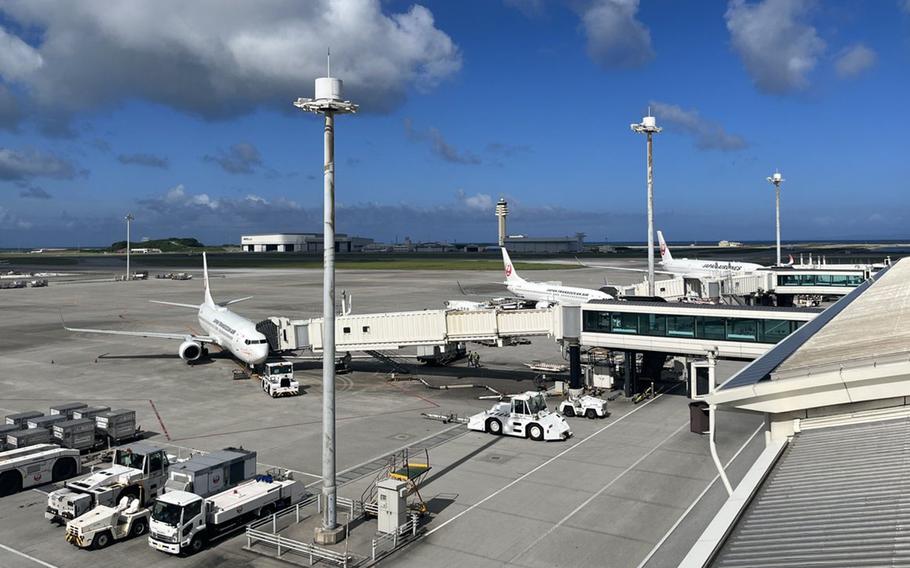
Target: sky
x=181 y=113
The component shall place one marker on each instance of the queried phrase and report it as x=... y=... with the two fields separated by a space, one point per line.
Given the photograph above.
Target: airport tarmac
x=633 y=489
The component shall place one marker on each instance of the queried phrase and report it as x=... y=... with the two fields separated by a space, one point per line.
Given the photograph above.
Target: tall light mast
x=777 y=179
x=129 y=219
x=328 y=102
x=648 y=125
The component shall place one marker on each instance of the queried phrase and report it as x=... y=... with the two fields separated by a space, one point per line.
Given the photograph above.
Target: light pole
x=328 y=102
x=649 y=126
x=129 y=218
x=777 y=179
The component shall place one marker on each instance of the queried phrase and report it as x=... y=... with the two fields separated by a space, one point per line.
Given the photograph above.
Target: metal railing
x=404 y=534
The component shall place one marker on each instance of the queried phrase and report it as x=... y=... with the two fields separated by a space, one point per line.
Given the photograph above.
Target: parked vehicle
x=525 y=415
x=103 y=525
x=585 y=405
x=36 y=465
x=278 y=379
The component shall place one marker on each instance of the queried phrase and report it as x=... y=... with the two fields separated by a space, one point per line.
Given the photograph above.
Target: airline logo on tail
x=508 y=270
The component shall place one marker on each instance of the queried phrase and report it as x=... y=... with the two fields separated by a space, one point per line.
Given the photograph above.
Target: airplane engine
x=542 y=305
x=190 y=351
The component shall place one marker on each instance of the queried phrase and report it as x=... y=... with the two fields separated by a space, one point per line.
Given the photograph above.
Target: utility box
x=67 y=409
x=392 y=505
x=699 y=420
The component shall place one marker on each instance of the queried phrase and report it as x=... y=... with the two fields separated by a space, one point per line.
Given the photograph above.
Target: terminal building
x=545 y=245
x=300 y=242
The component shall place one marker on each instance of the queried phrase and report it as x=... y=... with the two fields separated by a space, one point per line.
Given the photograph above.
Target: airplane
x=547 y=293
x=692 y=268
x=224 y=328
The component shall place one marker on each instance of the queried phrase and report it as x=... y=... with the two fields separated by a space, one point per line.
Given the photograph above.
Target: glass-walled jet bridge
x=735 y=332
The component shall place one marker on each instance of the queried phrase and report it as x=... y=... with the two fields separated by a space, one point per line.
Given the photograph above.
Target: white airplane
x=547 y=293
x=692 y=268
x=226 y=329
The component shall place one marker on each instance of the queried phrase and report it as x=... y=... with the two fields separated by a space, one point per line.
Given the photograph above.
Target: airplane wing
x=149 y=334
x=229 y=302
x=178 y=304
x=610 y=267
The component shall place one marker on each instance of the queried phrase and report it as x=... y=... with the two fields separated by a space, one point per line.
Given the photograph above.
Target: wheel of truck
x=64 y=468
x=590 y=413
x=10 y=482
x=196 y=545
x=535 y=432
x=102 y=540
x=266 y=511
x=494 y=426
x=140 y=527
x=569 y=411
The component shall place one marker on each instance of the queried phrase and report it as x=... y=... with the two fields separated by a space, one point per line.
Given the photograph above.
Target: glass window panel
x=652 y=324
x=681 y=326
x=775 y=330
x=624 y=323
x=596 y=321
x=742 y=330
x=710 y=328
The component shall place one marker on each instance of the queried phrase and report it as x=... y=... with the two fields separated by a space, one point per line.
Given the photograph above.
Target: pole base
x=324 y=536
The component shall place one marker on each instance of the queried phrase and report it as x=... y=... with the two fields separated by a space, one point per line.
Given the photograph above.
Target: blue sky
x=182 y=115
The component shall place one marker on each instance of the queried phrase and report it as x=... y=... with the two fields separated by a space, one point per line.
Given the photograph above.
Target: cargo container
x=67 y=408
x=28 y=437
x=211 y=473
x=117 y=425
x=46 y=422
x=20 y=418
x=4 y=430
x=89 y=412
x=78 y=434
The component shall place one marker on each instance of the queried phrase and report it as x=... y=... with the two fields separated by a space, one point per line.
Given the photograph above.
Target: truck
x=36 y=465
x=185 y=522
x=139 y=471
x=278 y=379
x=583 y=405
x=103 y=525
x=526 y=415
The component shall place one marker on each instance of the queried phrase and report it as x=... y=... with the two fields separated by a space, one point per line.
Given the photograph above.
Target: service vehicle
x=103 y=525
x=185 y=522
x=278 y=379
x=526 y=415
x=139 y=471
x=584 y=405
x=36 y=465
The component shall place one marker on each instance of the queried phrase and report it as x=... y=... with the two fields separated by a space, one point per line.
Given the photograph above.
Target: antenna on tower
x=328 y=62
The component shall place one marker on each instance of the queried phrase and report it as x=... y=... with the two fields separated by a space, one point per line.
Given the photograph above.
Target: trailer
x=139 y=471
x=90 y=412
x=28 y=437
x=67 y=408
x=117 y=426
x=185 y=522
x=525 y=415
x=78 y=434
x=35 y=465
x=21 y=418
x=207 y=474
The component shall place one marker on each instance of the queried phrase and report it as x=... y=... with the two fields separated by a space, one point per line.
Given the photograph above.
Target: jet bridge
x=426 y=328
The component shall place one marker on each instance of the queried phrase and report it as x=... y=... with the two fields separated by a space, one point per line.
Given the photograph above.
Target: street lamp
x=328 y=102
x=649 y=126
x=777 y=179
x=129 y=218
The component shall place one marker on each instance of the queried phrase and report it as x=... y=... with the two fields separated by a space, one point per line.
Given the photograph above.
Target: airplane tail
x=512 y=276
x=665 y=255
x=791 y=261
x=205 y=280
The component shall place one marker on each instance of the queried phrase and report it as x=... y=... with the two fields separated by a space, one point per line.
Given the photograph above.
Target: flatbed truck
x=184 y=522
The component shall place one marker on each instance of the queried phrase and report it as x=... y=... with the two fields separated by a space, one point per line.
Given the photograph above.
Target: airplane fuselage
x=565 y=295
x=234 y=333
x=709 y=267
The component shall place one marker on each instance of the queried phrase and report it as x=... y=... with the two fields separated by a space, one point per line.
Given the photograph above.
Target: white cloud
x=478 y=201
x=616 y=38
x=708 y=135
x=777 y=47
x=854 y=60
x=904 y=5
x=216 y=59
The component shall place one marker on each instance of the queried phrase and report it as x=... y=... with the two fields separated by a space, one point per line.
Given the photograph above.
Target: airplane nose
x=261 y=353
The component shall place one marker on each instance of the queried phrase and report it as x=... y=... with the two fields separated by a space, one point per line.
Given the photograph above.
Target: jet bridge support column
x=628 y=387
x=575 y=379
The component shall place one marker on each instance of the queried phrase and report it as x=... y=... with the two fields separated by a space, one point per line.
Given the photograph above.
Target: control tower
x=502 y=211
